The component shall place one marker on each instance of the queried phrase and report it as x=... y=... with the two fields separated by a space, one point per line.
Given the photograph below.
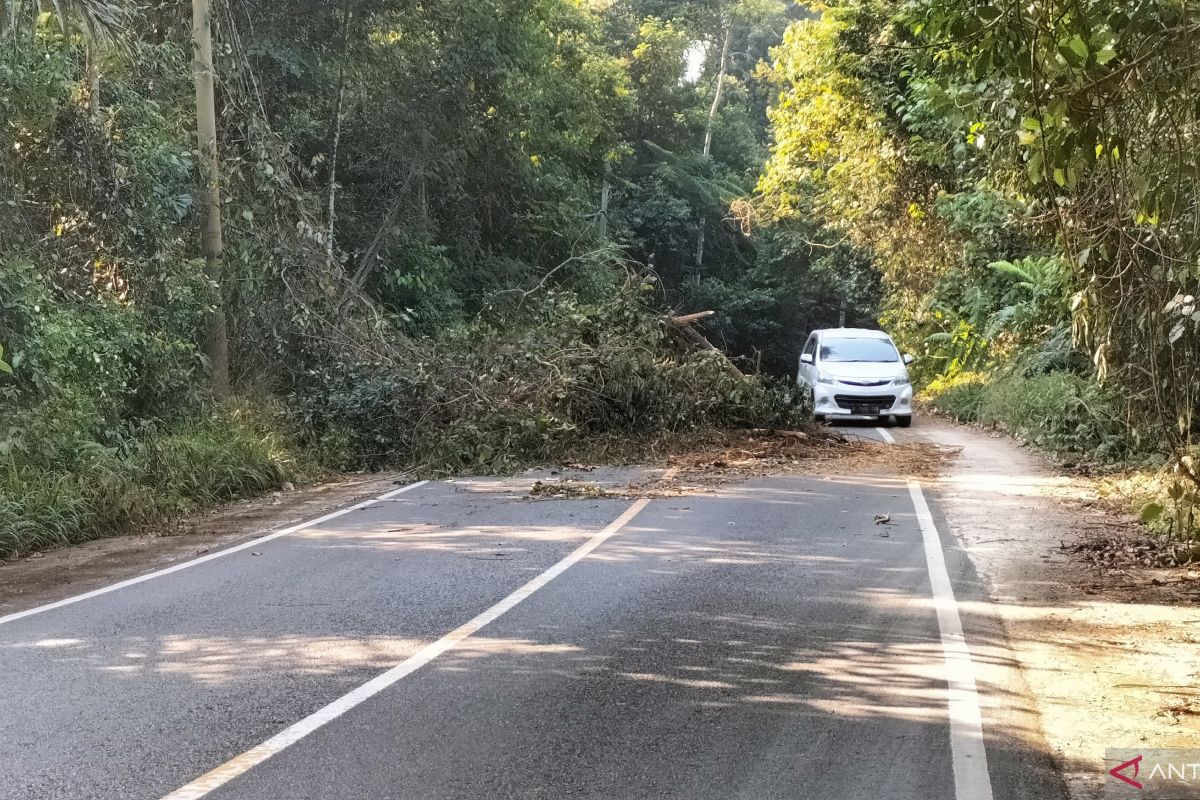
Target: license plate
x=867 y=411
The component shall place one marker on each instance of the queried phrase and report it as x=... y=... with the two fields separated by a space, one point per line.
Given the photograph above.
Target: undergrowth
x=485 y=399
x=567 y=379
x=1059 y=411
x=1071 y=417
x=102 y=490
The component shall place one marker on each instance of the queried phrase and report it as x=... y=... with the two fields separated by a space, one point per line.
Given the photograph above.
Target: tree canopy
x=418 y=198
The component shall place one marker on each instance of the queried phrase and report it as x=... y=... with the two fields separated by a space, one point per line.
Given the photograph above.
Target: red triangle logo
x=1117 y=770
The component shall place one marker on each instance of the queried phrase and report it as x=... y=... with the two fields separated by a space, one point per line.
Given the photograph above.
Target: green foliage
x=482 y=398
x=100 y=351
x=960 y=396
x=1058 y=411
x=1044 y=91
x=830 y=153
x=801 y=279
x=410 y=198
x=47 y=500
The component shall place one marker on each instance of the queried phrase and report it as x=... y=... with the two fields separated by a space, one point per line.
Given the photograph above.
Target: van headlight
x=900 y=381
x=825 y=378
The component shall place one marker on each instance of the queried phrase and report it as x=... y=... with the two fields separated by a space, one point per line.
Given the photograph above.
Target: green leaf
x=1035 y=168
x=1079 y=47
x=1151 y=512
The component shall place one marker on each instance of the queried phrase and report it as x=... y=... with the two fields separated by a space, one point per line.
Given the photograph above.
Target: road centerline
x=243 y=763
x=972 y=780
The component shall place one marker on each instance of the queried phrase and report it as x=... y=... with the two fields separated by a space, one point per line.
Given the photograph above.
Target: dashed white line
x=968 y=753
x=288 y=736
x=195 y=561
x=887 y=437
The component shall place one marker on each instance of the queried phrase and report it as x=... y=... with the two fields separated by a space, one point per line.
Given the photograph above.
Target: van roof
x=852 y=333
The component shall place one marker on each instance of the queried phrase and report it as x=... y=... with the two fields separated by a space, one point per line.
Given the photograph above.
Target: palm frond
x=96 y=18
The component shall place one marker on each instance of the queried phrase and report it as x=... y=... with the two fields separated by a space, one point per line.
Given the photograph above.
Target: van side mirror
x=907 y=358
x=806 y=358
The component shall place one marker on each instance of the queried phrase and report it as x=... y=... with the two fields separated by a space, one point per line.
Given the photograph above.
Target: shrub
x=46 y=502
x=211 y=460
x=1059 y=411
x=477 y=398
x=960 y=396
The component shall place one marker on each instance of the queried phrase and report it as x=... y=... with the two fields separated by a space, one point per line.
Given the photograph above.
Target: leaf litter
x=701 y=465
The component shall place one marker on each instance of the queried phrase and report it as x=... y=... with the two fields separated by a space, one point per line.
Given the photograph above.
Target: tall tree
x=216 y=345
x=722 y=71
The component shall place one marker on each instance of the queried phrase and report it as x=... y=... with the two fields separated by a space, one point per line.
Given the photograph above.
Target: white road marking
x=289 y=736
x=968 y=753
x=887 y=437
x=193 y=562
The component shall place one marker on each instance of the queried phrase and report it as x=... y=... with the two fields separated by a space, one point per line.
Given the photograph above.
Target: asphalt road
x=766 y=641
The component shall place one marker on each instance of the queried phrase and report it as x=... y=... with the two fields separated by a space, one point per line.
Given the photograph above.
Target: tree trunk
x=216 y=344
x=722 y=71
x=605 y=190
x=93 y=80
x=337 y=138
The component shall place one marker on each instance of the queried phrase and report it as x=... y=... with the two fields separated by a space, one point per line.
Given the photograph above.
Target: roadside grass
x=1070 y=417
x=1061 y=412
x=220 y=456
x=1166 y=503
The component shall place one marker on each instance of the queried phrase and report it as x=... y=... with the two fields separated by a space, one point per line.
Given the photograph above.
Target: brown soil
x=718 y=460
x=795 y=452
x=1108 y=645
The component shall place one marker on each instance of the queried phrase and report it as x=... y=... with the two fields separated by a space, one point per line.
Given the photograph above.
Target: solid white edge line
x=294 y=733
x=887 y=437
x=968 y=752
x=193 y=562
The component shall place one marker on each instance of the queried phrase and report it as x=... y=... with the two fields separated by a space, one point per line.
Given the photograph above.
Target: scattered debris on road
x=570 y=489
x=701 y=465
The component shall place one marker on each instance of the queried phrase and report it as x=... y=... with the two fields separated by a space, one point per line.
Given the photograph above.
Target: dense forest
x=1023 y=176
x=443 y=235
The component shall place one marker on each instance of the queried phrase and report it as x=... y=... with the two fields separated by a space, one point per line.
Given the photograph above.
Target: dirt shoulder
x=1112 y=657
x=54 y=574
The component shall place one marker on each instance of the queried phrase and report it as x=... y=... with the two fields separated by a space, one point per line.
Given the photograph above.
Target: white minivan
x=855 y=373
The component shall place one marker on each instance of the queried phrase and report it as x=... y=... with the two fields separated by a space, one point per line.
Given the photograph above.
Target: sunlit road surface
x=856 y=430
x=765 y=641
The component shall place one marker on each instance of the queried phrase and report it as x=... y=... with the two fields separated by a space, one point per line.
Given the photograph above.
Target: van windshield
x=869 y=350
